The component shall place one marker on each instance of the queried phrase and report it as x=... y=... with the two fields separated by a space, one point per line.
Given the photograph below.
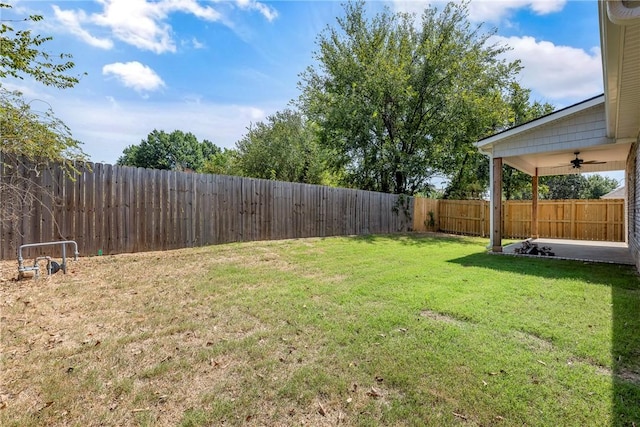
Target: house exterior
x=596 y=135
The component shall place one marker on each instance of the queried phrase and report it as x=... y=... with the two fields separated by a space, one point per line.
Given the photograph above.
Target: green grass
x=403 y=330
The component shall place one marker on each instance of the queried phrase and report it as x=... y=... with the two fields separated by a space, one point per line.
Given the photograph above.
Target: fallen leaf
x=379 y=378
x=484 y=383
x=542 y=363
x=349 y=400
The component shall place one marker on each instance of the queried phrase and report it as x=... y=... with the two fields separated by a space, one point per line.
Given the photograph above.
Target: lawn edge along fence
x=117 y=209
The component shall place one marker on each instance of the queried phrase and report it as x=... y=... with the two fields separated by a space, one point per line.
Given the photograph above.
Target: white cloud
x=487 y=10
x=138 y=23
x=555 y=72
x=268 y=12
x=496 y=10
x=144 y=23
x=72 y=20
x=197 y=44
x=134 y=75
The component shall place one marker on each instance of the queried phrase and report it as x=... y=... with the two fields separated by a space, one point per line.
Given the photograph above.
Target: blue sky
x=213 y=67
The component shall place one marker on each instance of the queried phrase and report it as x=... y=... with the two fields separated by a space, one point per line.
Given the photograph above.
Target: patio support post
x=496 y=209
x=534 y=205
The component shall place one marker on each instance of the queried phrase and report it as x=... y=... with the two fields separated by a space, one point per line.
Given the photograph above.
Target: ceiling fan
x=578 y=162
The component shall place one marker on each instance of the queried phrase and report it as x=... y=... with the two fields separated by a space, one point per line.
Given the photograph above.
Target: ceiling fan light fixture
x=577 y=162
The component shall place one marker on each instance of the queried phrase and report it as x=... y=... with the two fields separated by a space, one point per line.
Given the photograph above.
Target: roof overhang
x=547 y=145
x=620 y=42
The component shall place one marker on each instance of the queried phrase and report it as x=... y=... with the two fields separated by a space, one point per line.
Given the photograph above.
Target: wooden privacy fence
x=601 y=220
x=116 y=209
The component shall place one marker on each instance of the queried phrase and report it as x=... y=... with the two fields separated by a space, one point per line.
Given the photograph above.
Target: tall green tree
x=578 y=186
x=284 y=148
x=564 y=186
x=517 y=185
x=597 y=186
x=397 y=101
x=224 y=162
x=170 y=151
x=470 y=177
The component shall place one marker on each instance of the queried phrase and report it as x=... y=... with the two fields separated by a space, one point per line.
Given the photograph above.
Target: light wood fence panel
x=517 y=219
x=425 y=214
x=600 y=220
x=464 y=217
x=114 y=209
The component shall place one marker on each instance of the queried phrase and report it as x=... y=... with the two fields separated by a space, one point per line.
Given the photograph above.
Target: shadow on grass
x=625 y=292
x=625 y=352
x=595 y=273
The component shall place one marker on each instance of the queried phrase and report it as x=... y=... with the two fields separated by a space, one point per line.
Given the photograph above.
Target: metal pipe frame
x=63 y=243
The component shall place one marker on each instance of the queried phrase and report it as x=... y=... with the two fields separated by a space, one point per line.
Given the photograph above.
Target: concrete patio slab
x=582 y=250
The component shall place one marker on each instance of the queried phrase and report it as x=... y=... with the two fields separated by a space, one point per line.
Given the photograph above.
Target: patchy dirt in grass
x=439 y=317
x=533 y=342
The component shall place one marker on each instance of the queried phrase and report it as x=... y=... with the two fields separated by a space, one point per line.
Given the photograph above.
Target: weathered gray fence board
x=114 y=209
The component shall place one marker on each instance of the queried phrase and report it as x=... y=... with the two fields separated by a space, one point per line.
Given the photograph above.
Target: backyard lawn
x=380 y=330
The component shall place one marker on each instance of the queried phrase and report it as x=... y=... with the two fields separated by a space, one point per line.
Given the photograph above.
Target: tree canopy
x=396 y=102
x=35 y=134
x=25 y=130
x=23 y=54
x=577 y=186
x=284 y=148
x=170 y=151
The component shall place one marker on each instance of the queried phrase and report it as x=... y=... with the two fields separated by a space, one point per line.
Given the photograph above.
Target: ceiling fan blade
x=593 y=162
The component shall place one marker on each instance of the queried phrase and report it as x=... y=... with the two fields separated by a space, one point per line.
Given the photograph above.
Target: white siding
x=584 y=129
